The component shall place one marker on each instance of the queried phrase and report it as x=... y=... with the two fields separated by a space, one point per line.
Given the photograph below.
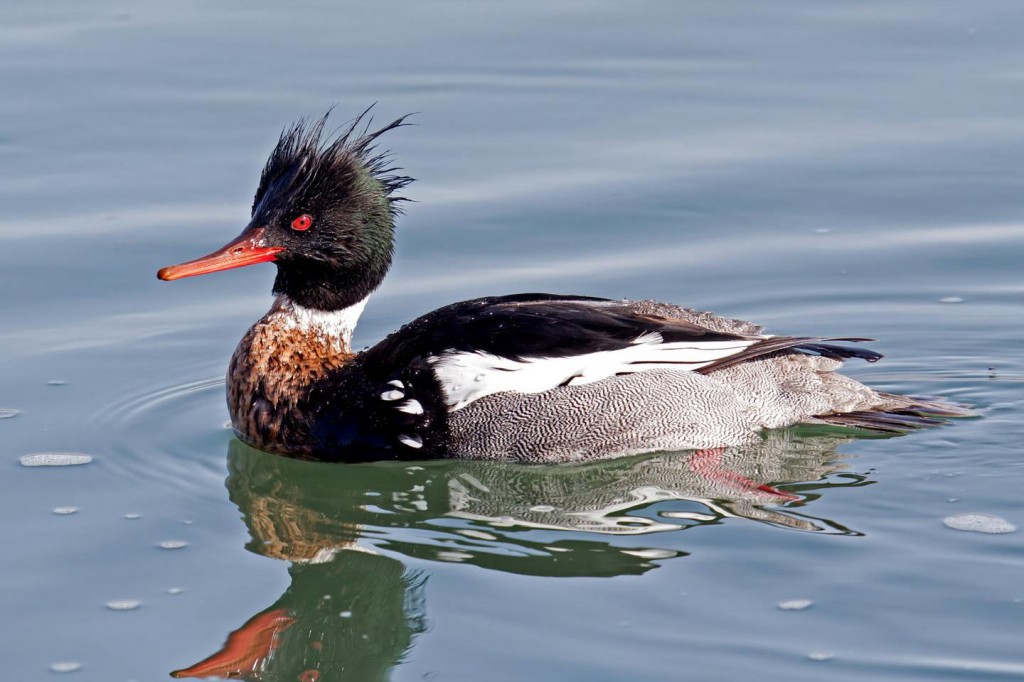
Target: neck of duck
x=275 y=364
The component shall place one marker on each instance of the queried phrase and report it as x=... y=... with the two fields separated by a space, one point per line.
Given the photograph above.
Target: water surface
x=833 y=169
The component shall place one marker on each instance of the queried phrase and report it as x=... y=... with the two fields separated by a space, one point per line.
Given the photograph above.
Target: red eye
x=302 y=222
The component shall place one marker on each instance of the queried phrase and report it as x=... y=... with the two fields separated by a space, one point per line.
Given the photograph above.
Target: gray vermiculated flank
x=658 y=410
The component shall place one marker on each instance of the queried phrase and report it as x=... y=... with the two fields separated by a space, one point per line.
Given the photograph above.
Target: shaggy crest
x=307 y=164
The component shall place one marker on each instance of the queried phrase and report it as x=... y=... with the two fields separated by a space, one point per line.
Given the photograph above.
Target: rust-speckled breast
x=269 y=378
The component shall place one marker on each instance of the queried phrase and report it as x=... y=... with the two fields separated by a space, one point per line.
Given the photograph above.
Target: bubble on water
x=979 y=523
x=55 y=459
x=795 y=604
x=175 y=590
x=123 y=604
x=951 y=299
x=131 y=516
x=821 y=655
x=65 y=666
x=56 y=382
x=8 y=412
x=65 y=511
x=542 y=508
x=173 y=544
x=345 y=614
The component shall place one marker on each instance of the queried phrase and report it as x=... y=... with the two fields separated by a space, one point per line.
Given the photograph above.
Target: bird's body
x=530 y=377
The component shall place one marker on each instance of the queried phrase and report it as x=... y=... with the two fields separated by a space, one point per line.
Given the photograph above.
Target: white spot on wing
x=469 y=376
x=392 y=395
x=411 y=441
x=396 y=383
x=411 y=407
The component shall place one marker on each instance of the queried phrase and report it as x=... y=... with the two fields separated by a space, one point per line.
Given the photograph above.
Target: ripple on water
x=65 y=511
x=55 y=459
x=173 y=544
x=979 y=523
x=138 y=410
x=795 y=604
x=8 y=412
x=123 y=604
x=159 y=418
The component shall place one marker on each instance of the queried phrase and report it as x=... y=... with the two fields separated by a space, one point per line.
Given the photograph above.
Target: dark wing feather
x=532 y=325
x=804 y=344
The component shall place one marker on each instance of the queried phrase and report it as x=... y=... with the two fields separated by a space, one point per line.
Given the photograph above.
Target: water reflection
x=353 y=608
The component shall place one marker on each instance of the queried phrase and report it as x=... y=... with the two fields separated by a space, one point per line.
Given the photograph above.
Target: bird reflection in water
x=353 y=608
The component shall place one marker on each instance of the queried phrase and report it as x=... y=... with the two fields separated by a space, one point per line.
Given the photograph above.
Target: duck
x=530 y=378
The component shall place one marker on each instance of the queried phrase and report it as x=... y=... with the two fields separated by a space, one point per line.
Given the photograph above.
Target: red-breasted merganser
x=528 y=377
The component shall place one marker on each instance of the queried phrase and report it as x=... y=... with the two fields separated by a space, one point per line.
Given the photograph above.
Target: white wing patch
x=468 y=376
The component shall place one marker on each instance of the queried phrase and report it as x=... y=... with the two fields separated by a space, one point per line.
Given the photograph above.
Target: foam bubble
x=979 y=523
x=55 y=459
x=124 y=604
x=173 y=544
x=65 y=511
x=795 y=604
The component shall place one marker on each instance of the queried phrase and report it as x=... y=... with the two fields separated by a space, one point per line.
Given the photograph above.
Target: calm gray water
x=822 y=168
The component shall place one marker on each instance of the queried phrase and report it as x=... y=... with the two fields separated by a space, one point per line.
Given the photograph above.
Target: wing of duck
x=535 y=342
